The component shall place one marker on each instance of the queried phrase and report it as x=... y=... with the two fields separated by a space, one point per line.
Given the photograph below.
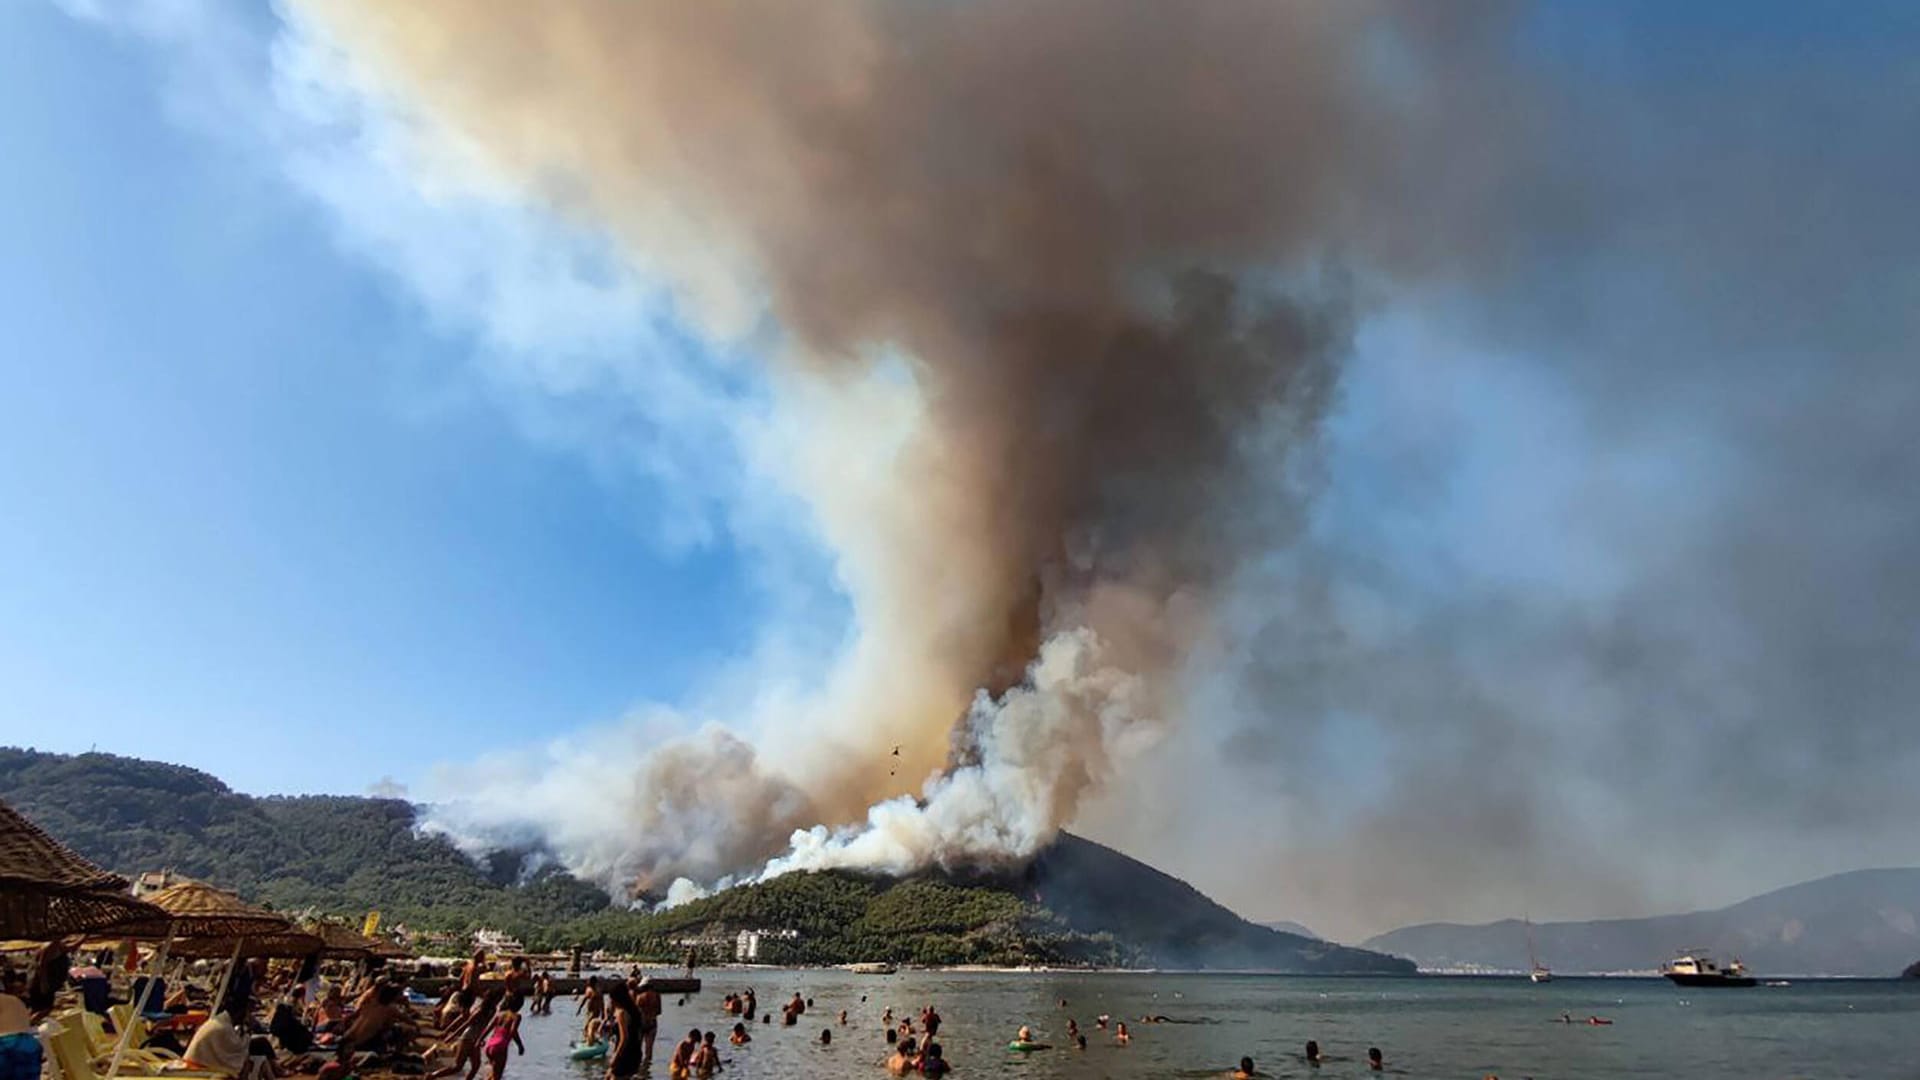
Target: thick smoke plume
x=1483 y=433
x=1095 y=245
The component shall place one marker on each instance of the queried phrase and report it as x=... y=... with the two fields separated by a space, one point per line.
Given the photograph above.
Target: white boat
x=875 y=967
x=1696 y=968
x=1538 y=972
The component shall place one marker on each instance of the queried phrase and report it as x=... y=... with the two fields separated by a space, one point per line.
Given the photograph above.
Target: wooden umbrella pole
x=139 y=1004
x=226 y=978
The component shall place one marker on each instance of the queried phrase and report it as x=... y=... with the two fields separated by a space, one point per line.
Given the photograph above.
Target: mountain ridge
x=1078 y=902
x=1860 y=923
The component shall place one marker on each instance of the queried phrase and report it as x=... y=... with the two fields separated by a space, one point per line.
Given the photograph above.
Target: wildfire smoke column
x=1090 y=245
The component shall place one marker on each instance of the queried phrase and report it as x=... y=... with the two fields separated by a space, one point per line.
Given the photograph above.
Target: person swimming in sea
x=1120 y=1035
x=934 y=1061
x=826 y=1036
x=1245 y=1071
x=1079 y=1042
x=904 y=1058
x=739 y=1036
x=1313 y=1053
x=1374 y=1060
x=1024 y=1043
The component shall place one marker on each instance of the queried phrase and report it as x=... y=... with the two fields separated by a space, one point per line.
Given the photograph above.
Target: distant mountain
x=1097 y=887
x=1077 y=903
x=1863 y=923
x=1287 y=926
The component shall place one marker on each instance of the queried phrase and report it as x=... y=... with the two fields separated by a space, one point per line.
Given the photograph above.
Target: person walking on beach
x=471 y=971
x=621 y=1020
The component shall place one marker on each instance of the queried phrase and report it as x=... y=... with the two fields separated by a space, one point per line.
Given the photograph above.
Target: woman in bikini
x=504 y=1030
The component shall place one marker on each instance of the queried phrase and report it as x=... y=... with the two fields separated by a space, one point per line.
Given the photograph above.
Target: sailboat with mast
x=1537 y=972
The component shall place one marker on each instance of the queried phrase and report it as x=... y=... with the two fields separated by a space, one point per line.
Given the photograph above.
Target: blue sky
x=257 y=513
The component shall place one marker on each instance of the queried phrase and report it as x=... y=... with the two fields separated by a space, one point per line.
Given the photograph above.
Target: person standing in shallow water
x=681 y=1064
x=646 y=1007
x=621 y=1021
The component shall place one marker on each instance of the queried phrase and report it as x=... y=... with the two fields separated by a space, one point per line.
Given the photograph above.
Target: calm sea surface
x=1427 y=1027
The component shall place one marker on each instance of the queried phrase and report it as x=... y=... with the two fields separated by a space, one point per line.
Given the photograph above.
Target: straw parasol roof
x=209 y=923
x=286 y=943
x=48 y=891
x=343 y=943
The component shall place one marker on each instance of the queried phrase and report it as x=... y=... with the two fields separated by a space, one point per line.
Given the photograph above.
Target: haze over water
x=1427 y=1027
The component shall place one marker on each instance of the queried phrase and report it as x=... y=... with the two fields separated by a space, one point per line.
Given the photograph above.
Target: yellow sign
x=372 y=925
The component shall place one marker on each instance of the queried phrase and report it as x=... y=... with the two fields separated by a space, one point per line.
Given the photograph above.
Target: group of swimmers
x=1376 y=1061
x=1025 y=1042
x=915 y=1054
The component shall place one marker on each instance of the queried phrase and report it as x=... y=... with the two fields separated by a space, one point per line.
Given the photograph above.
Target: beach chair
x=73 y=1053
x=100 y=1042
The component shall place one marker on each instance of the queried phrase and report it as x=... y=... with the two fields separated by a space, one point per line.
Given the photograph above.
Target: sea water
x=1426 y=1026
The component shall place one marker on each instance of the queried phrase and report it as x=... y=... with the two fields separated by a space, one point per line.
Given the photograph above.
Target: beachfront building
x=497 y=943
x=155 y=880
x=748 y=943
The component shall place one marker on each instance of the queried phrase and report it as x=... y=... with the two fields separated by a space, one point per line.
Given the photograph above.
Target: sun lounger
x=73 y=1054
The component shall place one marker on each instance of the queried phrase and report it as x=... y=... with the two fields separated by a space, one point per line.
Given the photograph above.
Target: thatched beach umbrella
x=344 y=943
x=199 y=912
x=202 y=922
x=47 y=891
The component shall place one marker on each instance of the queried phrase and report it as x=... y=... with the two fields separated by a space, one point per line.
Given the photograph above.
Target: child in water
x=1246 y=1070
x=934 y=1061
x=681 y=1064
x=1120 y=1035
x=706 y=1057
x=1374 y=1060
x=739 y=1036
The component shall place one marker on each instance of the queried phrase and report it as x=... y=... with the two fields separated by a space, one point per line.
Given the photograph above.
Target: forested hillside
x=1078 y=903
x=337 y=854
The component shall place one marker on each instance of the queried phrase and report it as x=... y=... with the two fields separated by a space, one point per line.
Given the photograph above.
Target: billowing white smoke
x=624 y=810
x=1039 y=747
